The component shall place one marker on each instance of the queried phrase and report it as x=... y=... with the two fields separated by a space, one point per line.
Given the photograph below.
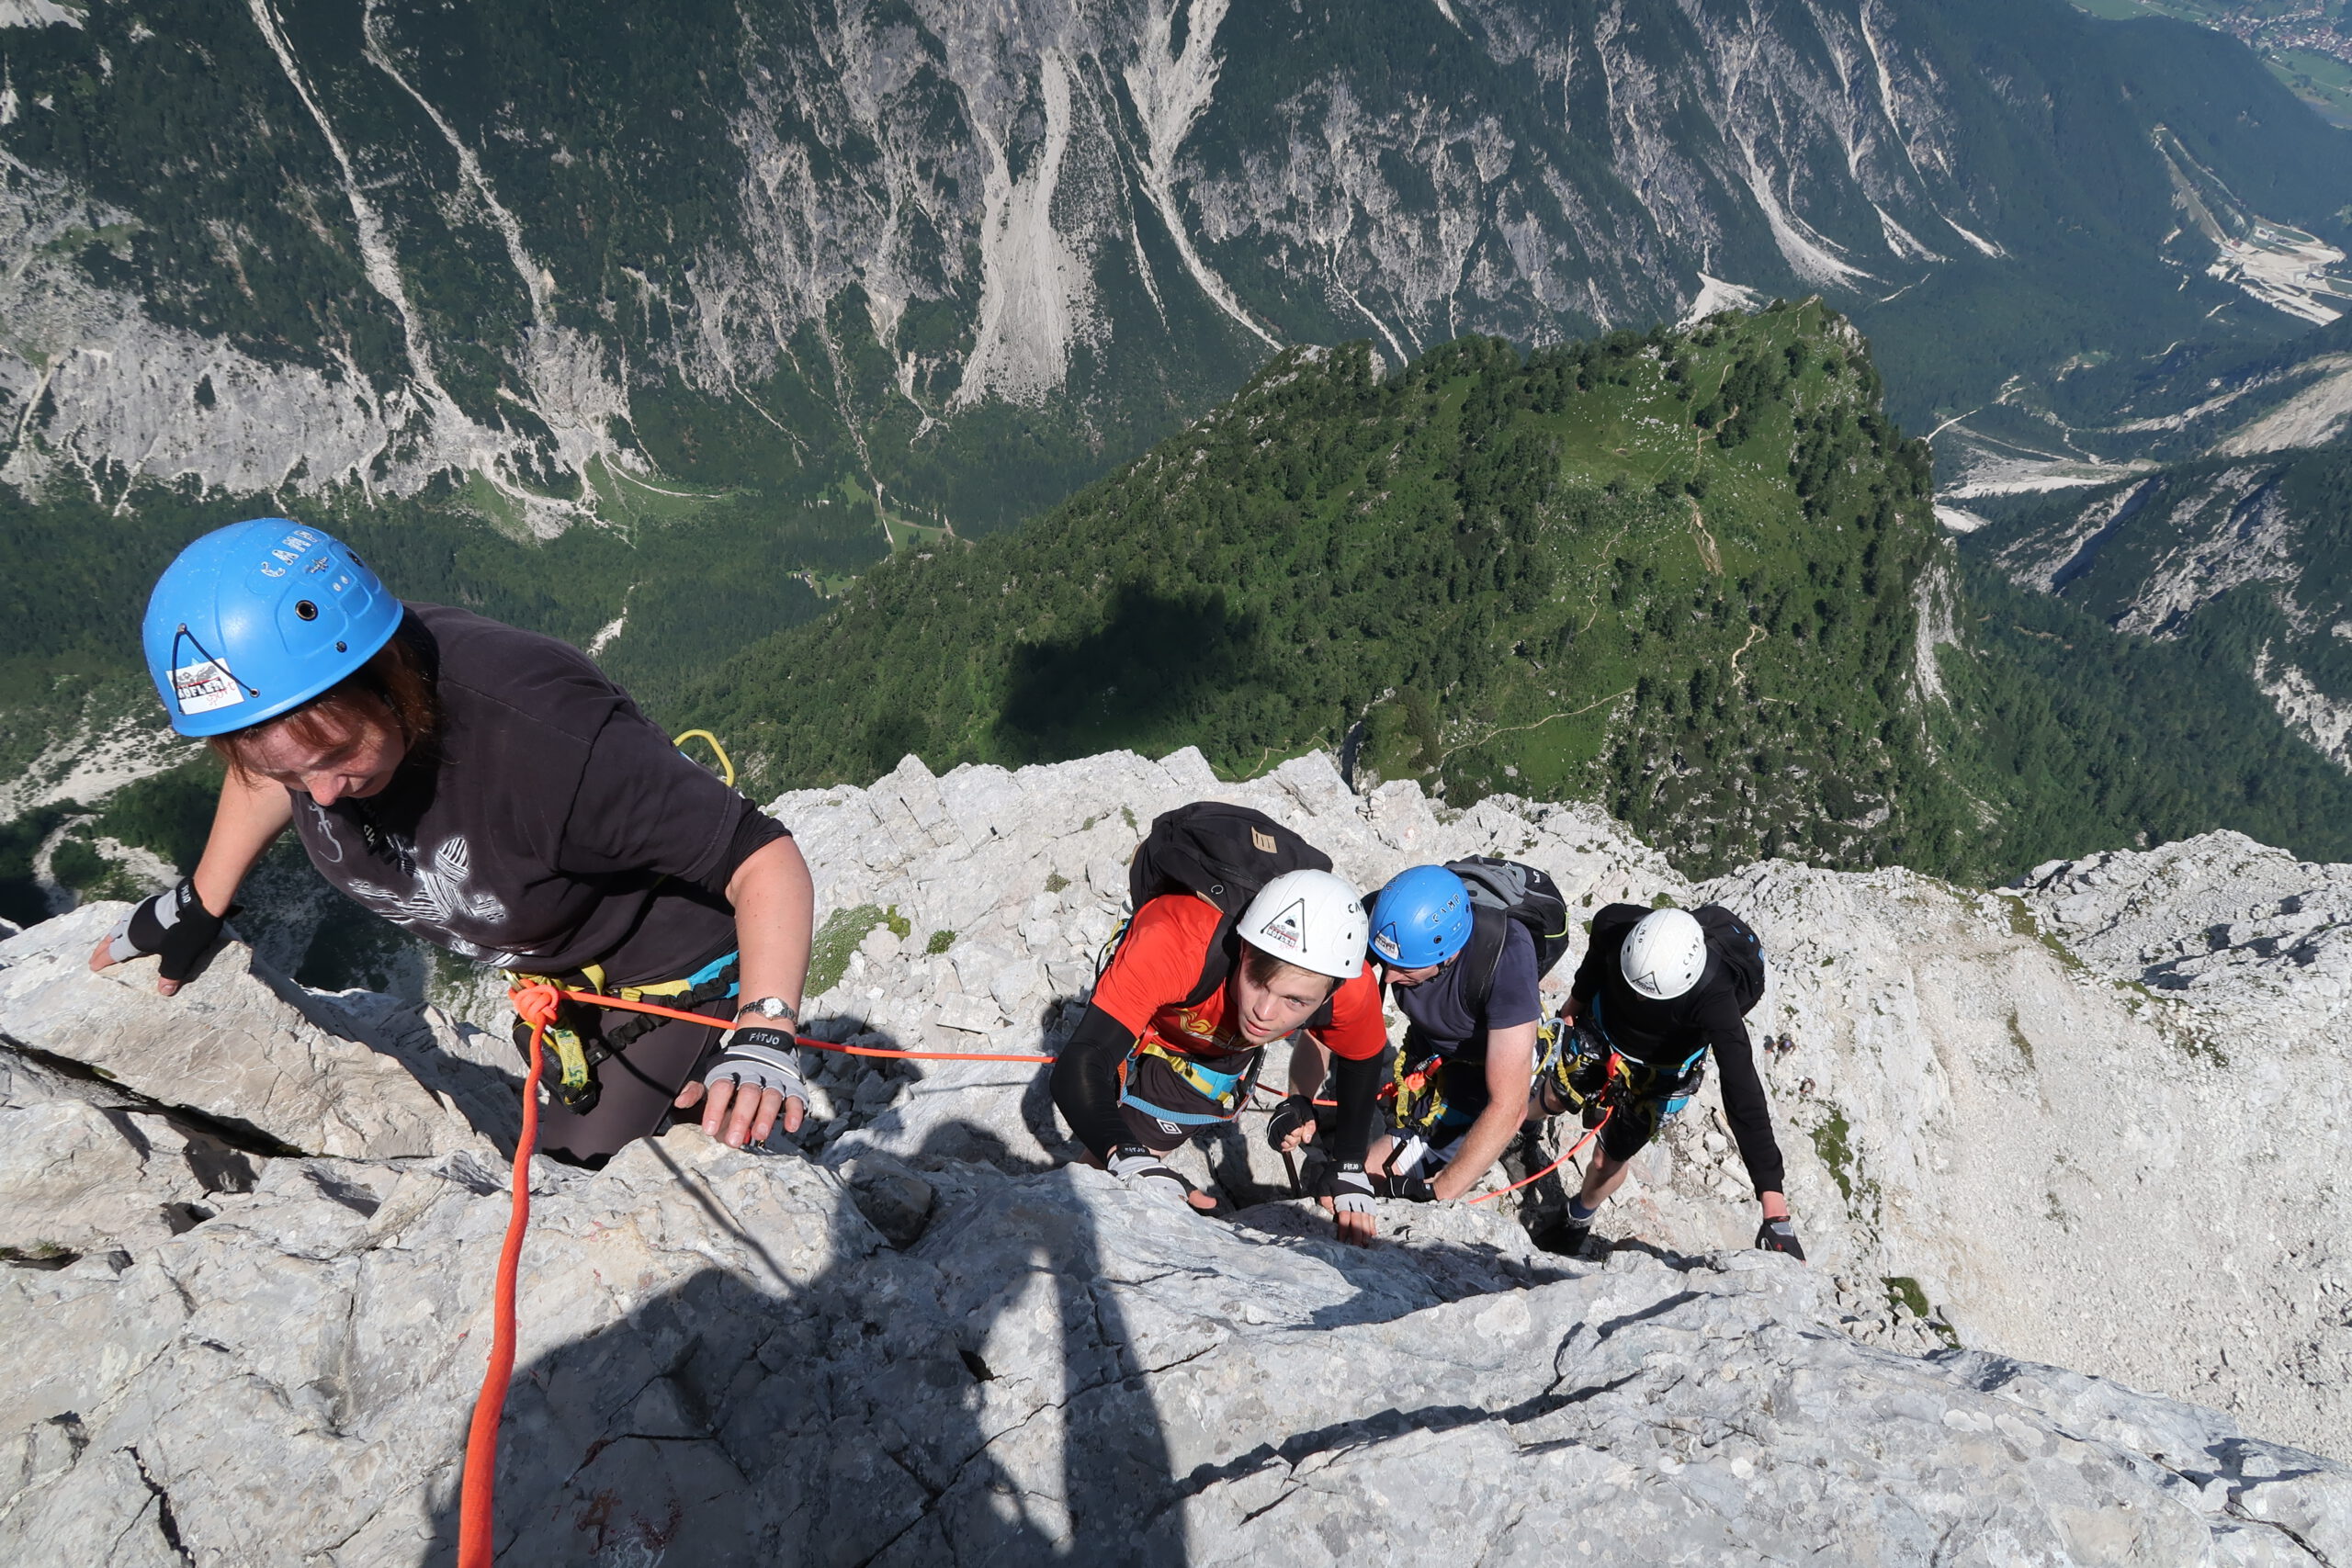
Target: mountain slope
x=2242 y=559
x=1679 y=572
x=770 y=289
x=1694 y=576
x=971 y=259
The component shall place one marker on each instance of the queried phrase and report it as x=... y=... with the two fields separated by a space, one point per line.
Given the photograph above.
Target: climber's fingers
x=1359 y=1228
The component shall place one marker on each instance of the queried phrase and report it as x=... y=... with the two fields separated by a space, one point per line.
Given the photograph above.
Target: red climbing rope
x=556 y=992
x=535 y=1005
x=1590 y=1132
x=474 y=1505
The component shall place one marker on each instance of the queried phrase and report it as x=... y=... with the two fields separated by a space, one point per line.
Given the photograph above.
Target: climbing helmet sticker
x=1288 y=929
x=204 y=686
x=1383 y=943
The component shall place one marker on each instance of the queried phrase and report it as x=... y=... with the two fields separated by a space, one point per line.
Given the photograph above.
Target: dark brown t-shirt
x=549 y=826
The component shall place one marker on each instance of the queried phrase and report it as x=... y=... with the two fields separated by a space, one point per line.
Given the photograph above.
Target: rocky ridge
x=253 y=1227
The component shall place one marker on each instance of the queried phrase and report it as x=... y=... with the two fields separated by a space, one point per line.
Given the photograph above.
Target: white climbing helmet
x=1665 y=954
x=1311 y=919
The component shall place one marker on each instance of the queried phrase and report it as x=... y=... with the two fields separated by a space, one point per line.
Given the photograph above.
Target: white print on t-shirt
x=332 y=846
x=438 y=896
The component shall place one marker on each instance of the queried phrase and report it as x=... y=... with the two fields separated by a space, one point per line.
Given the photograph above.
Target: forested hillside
x=1692 y=574
x=1676 y=571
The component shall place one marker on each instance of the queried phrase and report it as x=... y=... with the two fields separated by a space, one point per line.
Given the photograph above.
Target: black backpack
x=1502 y=891
x=1729 y=939
x=1225 y=854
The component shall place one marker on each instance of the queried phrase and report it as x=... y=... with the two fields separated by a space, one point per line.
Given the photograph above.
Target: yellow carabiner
x=725 y=764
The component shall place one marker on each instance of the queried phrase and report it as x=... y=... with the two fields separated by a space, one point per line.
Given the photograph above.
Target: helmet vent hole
x=305 y=609
x=343 y=648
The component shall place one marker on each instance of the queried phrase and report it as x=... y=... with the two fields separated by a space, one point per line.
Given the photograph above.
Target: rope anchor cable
x=535 y=1005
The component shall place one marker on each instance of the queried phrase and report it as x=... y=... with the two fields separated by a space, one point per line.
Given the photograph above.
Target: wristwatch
x=770 y=1008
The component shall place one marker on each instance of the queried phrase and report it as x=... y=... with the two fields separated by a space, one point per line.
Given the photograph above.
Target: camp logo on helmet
x=1289 y=928
x=204 y=686
x=1386 y=945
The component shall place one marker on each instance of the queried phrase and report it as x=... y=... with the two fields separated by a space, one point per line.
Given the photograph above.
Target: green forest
x=1679 y=572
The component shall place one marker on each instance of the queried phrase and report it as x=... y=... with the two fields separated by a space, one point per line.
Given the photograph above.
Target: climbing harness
x=538 y=1003
x=580 y=1041
x=1229 y=1092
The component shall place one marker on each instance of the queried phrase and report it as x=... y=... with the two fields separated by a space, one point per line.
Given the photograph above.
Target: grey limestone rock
x=916 y=1334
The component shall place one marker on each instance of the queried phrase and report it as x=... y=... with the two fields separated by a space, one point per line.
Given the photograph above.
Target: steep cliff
x=248 y=1271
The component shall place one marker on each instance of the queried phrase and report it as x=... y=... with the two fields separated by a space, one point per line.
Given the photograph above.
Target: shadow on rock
x=936 y=1406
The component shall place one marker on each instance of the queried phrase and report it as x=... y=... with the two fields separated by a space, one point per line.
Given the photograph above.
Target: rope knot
x=535 y=1003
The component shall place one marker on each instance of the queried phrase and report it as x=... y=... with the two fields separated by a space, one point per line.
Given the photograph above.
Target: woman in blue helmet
x=490 y=790
x=1468 y=1062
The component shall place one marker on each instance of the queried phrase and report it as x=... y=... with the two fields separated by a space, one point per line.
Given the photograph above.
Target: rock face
x=1087 y=208
x=916 y=1338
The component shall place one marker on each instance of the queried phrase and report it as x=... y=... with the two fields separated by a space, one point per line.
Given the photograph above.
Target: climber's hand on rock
x=756 y=1078
x=1148 y=1174
x=1352 y=1205
x=1779 y=1236
x=173 y=924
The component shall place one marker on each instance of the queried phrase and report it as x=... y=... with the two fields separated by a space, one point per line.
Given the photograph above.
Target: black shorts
x=635 y=1088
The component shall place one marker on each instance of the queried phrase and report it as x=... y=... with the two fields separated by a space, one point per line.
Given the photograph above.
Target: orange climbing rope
x=474 y=1512
x=535 y=1005
x=1590 y=1132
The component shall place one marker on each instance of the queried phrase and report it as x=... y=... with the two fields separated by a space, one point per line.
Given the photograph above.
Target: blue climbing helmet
x=256 y=619
x=1421 y=917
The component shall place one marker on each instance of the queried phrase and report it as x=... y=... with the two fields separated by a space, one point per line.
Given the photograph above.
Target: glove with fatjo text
x=758 y=1059
x=174 y=925
x=1351 y=1190
x=1779 y=1236
x=1296 y=1111
x=1144 y=1172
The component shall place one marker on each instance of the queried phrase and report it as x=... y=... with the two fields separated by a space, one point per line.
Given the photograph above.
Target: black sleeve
x=644 y=806
x=1744 y=1104
x=1356 y=1086
x=1086 y=1080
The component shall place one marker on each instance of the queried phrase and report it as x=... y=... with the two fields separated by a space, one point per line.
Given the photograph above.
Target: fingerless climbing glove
x=759 y=1059
x=1144 y=1172
x=1352 y=1191
x=1294 y=1112
x=174 y=925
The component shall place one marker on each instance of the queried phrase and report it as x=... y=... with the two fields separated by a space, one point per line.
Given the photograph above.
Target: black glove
x=1779 y=1236
x=1350 y=1190
x=1412 y=1189
x=1292 y=1113
x=176 y=925
x=759 y=1059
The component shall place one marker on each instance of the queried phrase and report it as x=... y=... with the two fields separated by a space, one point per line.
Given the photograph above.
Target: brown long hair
x=392 y=684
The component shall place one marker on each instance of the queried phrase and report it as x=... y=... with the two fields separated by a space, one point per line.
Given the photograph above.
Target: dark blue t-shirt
x=1440 y=1010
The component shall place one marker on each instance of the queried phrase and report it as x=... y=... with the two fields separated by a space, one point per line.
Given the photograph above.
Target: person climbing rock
x=491 y=791
x=1465 y=975
x=1154 y=1062
x=1657 y=992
